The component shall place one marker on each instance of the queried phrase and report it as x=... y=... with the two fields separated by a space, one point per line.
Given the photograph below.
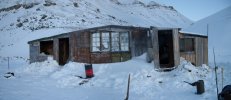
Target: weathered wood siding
x=200 y=54
x=138 y=42
x=80 y=46
x=154 y=37
x=56 y=49
x=35 y=55
x=176 y=53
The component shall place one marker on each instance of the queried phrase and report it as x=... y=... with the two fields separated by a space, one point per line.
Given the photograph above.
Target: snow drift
x=219 y=33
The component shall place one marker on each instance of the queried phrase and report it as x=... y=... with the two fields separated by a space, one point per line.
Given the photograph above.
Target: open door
x=63 y=50
x=166 y=51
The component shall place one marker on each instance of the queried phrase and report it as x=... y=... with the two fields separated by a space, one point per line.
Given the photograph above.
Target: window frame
x=110 y=41
x=185 y=47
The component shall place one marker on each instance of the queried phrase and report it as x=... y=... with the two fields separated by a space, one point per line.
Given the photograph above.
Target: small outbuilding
x=114 y=43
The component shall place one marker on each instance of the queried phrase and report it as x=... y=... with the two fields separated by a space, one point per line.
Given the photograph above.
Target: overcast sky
x=197 y=9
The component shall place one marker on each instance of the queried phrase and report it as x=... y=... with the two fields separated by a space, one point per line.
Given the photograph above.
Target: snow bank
x=146 y=83
x=42 y=68
x=69 y=74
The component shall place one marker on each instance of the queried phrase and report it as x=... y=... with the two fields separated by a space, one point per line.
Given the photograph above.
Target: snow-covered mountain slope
x=24 y=20
x=219 y=33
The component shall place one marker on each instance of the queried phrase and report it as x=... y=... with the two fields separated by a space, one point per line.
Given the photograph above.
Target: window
x=105 y=44
x=115 y=43
x=124 y=41
x=186 y=44
x=110 y=41
x=46 y=47
x=96 y=42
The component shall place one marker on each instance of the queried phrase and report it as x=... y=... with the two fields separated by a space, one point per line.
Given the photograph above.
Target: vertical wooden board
x=154 y=35
x=72 y=46
x=34 y=52
x=205 y=49
x=56 y=49
x=176 y=50
x=199 y=52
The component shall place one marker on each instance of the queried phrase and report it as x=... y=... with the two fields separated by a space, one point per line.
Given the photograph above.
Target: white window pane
x=105 y=45
x=124 y=41
x=115 y=41
x=95 y=41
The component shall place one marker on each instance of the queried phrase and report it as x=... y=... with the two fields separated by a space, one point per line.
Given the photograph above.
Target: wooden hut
x=114 y=43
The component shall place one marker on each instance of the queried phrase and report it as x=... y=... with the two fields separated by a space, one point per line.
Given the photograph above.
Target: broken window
x=110 y=41
x=186 y=44
x=46 y=47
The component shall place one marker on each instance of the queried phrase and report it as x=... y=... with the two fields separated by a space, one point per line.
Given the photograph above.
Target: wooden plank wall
x=138 y=42
x=81 y=47
x=200 y=54
x=56 y=49
x=35 y=55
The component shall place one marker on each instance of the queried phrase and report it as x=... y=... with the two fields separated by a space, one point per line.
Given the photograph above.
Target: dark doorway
x=165 y=40
x=63 y=50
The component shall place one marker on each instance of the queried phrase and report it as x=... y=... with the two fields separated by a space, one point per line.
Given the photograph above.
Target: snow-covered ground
x=49 y=81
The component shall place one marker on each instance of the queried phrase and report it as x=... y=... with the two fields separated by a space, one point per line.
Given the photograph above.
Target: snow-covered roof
x=87 y=29
x=192 y=33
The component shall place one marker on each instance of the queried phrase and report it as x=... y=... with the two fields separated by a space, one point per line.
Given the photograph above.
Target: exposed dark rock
x=75 y=4
x=83 y=20
x=49 y=3
x=112 y=16
x=19 y=25
x=43 y=16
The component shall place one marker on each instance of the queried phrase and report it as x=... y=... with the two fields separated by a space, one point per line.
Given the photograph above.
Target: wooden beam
x=154 y=39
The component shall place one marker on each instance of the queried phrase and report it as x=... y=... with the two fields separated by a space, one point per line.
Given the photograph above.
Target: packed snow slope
x=24 y=20
x=219 y=33
x=49 y=81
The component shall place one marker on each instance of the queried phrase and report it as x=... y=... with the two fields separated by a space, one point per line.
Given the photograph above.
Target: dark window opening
x=186 y=44
x=46 y=47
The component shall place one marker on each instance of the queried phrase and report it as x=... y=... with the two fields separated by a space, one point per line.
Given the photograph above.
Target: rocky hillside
x=24 y=20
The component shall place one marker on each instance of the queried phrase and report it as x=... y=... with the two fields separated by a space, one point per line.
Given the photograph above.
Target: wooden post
x=155 y=43
x=127 y=95
x=176 y=49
